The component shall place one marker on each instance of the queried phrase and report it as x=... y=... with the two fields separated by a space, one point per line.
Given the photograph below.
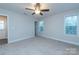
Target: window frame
x=65 y=25
x=39 y=26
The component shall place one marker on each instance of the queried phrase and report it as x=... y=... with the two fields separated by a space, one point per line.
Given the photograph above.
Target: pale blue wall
x=54 y=27
x=19 y=26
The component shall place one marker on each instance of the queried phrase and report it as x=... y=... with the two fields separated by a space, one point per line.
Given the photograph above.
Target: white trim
x=16 y=40
x=53 y=38
x=8 y=27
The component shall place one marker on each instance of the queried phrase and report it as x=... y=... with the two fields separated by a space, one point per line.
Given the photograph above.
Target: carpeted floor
x=39 y=46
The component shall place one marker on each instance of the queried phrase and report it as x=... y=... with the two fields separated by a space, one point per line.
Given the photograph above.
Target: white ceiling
x=54 y=8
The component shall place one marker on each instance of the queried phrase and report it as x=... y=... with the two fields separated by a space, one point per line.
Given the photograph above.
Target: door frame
x=36 y=28
x=7 y=24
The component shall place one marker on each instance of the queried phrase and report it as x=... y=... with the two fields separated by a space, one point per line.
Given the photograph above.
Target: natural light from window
x=41 y=26
x=71 y=25
x=1 y=25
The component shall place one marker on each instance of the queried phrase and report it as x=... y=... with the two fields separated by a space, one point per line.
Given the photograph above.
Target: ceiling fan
x=37 y=9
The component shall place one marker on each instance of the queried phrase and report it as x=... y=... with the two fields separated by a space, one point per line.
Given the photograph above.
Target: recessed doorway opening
x=3 y=30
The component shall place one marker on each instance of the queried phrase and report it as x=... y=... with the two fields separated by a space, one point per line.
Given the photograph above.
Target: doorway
x=3 y=30
x=36 y=28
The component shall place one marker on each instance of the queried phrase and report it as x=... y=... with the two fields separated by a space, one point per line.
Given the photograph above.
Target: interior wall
x=20 y=26
x=54 y=27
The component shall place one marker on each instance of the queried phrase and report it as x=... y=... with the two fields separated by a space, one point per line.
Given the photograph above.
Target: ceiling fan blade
x=29 y=9
x=41 y=13
x=45 y=10
x=33 y=13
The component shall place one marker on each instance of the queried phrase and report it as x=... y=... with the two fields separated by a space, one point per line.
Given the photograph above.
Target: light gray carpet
x=39 y=46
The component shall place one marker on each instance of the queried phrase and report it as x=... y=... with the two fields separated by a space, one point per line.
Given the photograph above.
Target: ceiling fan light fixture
x=37 y=11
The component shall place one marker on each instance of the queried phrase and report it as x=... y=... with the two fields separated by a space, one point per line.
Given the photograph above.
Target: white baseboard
x=20 y=39
x=74 y=43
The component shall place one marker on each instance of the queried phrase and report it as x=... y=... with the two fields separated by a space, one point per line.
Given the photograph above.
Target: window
x=41 y=26
x=71 y=25
x=1 y=25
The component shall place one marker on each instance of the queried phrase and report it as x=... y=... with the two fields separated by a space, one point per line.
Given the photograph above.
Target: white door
x=3 y=27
